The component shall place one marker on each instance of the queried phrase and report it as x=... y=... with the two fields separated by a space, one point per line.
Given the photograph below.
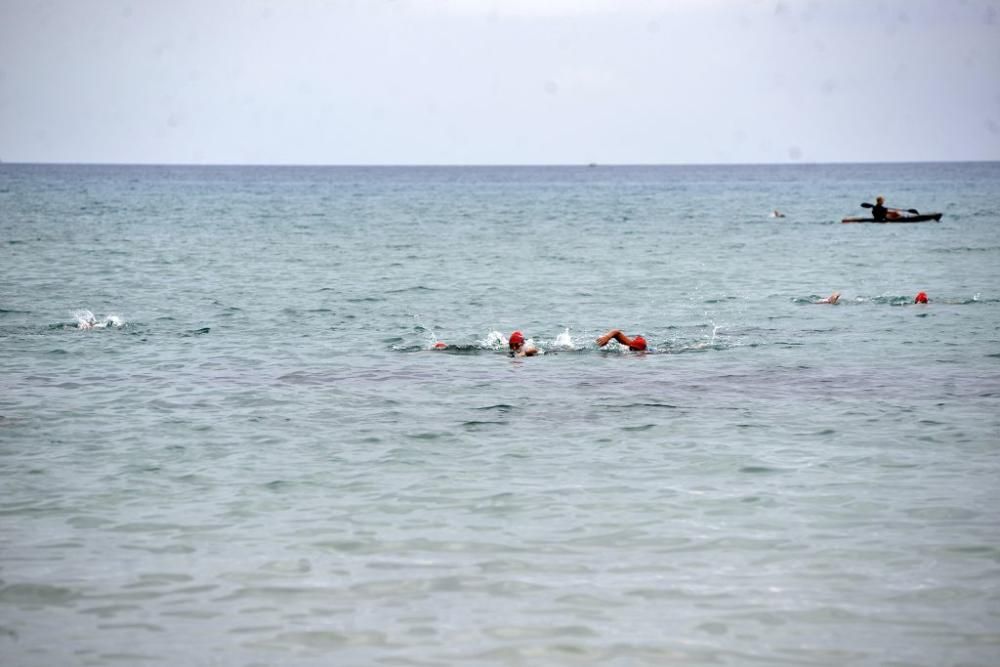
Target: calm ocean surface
x=254 y=457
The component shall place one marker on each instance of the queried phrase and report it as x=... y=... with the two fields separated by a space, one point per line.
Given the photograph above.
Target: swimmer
x=85 y=319
x=920 y=298
x=832 y=299
x=777 y=214
x=636 y=344
x=517 y=347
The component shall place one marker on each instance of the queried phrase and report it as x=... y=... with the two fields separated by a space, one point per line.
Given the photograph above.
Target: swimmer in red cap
x=517 y=347
x=636 y=344
x=921 y=297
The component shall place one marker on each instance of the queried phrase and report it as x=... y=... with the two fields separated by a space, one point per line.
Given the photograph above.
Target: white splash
x=494 y=341
x=706 y=344
x=86 y=320
x=564 y=341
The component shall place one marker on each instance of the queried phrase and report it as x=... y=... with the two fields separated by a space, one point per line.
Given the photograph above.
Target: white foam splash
x=494 y=341
x=710 y=343
x=564 y=341
x=86 y=320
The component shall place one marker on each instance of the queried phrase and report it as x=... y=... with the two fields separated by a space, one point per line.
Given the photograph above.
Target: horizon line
x=485 y=164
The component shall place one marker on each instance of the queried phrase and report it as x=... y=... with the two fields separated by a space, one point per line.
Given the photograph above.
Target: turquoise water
x=225 y=437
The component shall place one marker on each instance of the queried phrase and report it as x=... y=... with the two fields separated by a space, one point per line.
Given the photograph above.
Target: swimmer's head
x=516 y=340
x=440 y=345
x=921 y=297
x=638 y=344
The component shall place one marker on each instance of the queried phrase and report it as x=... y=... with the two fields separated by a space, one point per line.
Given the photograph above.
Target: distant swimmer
x=777 y=214
x=86 y=320
x=832 y=299
x=440 y=345
x=920 y=298
x=636 y=344
x=518 y=348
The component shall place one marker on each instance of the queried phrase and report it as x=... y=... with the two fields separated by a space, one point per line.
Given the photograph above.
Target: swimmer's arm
x=606 y=338
x=615 y=334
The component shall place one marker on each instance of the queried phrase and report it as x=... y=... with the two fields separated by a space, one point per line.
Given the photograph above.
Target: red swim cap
x=638 y=344
x=440 y=345
x=516 y=339
x=921 y=297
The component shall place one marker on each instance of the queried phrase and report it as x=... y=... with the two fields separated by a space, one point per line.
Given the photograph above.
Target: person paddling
x=636 y=344
x=879 y=211
x=883 y=213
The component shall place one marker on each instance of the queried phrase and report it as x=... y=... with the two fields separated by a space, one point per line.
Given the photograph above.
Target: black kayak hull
x=923 y=217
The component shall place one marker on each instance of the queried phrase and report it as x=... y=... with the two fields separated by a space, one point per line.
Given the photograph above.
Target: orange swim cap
x=638 y=344
x=921 y=297
x=516 y=339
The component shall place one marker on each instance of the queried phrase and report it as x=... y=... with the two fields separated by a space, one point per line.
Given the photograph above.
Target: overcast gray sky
x=498 y=81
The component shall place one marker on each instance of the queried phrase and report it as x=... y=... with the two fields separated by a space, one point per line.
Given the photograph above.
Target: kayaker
x=879 y=211
x=636 y=344
x=517 y=346
x=883 y=213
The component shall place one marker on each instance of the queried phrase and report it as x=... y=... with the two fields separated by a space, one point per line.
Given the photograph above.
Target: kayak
x=922 y=217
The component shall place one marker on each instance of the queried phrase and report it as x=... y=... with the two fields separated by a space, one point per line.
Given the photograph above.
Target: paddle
x=889 y=208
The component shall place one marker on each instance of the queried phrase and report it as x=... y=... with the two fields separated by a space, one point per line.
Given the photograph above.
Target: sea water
x=226 y=437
